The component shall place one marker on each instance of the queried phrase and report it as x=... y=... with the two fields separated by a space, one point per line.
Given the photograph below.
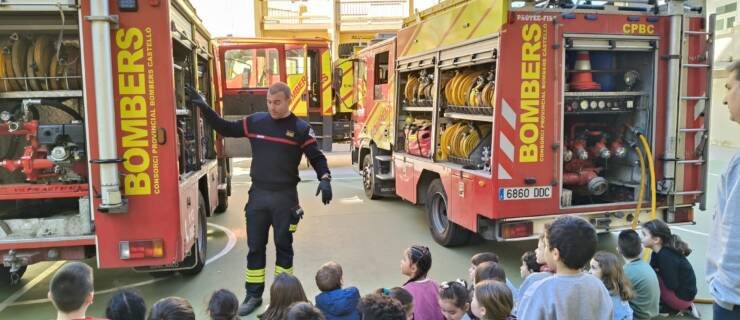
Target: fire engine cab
x=499 y=116
x=102 y=155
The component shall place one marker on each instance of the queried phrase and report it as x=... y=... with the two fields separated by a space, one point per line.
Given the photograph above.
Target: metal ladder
x=702 y=148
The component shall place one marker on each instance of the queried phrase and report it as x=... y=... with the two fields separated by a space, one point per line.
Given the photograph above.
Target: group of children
x=564 y=278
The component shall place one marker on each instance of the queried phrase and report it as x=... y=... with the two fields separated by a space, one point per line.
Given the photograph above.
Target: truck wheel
x=223 y=196
x=369 y=181
x=201 y=243
x=5 y=276
x=444 y=231
x=223 y=201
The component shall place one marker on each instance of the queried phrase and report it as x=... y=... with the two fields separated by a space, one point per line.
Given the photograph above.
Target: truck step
x=385 y=176
x=692 y=130
x=686 y=193
x=696 y=33
x=693 y=161
x=696 y=65
x=383 y=158
x=694 y=98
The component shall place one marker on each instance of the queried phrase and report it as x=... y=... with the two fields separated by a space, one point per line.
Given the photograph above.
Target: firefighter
x=279 y=139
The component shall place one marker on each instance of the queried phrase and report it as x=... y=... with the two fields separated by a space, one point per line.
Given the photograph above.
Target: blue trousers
x=724 y=314
x=265 y=209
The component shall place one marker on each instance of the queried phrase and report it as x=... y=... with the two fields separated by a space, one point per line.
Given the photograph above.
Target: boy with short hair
x=646 y=302
x=482 y=257
x=570 y=243
x=71 y=291
x=336 y=303
x=529 y=264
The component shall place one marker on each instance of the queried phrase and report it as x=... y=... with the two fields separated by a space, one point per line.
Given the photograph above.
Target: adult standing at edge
x=279 y=139
x=723 y=265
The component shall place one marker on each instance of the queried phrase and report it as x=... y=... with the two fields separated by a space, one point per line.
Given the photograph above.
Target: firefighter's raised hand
x=195 y=97
x=325 y=190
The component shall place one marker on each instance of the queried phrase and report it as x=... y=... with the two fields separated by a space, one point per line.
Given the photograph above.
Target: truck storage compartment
x=43 y=156
x=417 y=86
x=608 y=102
x=467 y=104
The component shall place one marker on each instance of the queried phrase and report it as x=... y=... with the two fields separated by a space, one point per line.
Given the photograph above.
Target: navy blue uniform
x=277 y=148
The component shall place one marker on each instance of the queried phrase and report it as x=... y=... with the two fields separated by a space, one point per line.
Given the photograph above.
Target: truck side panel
x=142 y=48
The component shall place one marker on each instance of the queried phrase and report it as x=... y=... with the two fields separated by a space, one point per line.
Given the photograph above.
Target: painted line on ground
x=16 y=295
x=229 y=246
x=691 y=231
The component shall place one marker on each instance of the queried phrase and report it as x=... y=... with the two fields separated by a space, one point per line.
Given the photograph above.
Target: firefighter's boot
x=249 y=305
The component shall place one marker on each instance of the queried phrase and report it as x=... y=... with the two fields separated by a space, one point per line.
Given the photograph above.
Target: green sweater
x=645 y=304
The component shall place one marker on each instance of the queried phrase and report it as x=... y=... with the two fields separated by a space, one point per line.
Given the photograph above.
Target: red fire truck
x=102 y=156
x=499 y=116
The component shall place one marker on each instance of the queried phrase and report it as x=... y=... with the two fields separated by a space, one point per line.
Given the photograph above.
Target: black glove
x=195 y=97
x=325 y=190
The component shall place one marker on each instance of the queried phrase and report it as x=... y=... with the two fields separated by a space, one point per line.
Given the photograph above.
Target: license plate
x=525 y=193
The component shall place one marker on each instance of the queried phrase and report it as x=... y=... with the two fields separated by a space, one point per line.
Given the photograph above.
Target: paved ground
x=366 y=237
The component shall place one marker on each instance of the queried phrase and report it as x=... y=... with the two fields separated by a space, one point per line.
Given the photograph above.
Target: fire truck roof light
x=652 y=19
x=519 y=229
x=633 y=18
x=140 y=249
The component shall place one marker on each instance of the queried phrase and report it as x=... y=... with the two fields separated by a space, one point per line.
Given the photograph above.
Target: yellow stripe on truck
x=327 y=107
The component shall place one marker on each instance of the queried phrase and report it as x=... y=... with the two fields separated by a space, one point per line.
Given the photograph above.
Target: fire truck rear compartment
x=43 y=156
x=608 y=97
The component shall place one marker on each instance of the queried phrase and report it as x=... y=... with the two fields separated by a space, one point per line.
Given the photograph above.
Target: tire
x=444 y=232
x=223 y=196
x=223 y=202
x=369 y=181
x=200 y=247
x=5 y=279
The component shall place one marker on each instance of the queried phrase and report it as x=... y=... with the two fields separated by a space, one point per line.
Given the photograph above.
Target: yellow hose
x=635 y=221
x=651 y=164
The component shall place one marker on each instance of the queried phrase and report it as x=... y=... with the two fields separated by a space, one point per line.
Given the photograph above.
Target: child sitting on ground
x=285 y=290
x=223 y=305
x=608 y=268
x=646 y=301
x=304 y=311
x=126 y=304
x=415 y=263
x=675 y=275
x=492 y=300
x=333 y=301
x=569 y=244
x=172 y=308
x=403 y=296
x=529 y=264
x=71 y=291
x=381 y=307
x=545 y=271
x=482 y=257
x=454 y=300
x=490 y=271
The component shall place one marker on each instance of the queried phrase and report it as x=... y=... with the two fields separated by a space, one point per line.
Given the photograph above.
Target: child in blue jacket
x=335 y=302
